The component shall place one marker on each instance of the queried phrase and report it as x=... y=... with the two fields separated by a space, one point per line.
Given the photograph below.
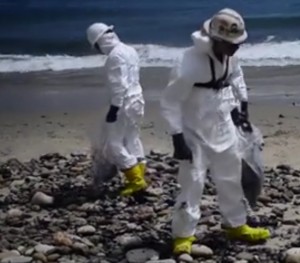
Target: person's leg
x=186 y=214
x=116 y=151
x=226 y=172
x=118 y=154
x=132 y=143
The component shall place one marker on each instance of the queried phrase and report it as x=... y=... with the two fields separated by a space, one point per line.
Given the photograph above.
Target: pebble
x=44 y=249
x=63 y=239
x=129 y=240
x=185 y=258
x=162 y=261
x=86 y=230
x=141 y=255
x=17 y=259
x=40 y=256
x=29 y=252
x=40 y=198
x=4 y=192
x=21 y=249
x=80 y=247
x=13 y=213
x=8 y=254
x=53 y=257
x=201 y=251
x=293 y=255
x=245 y=256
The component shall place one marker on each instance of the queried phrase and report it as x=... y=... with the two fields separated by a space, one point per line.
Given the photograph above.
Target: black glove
x=112 y=114
x=246 y=126
x=181 y=150
x=235 y=115
x=244 y=117
x=244 y=110
x=240 y=119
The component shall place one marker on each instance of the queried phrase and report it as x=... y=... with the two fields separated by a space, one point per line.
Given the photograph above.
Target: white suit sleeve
x=116 y=71
x=237 y=81
x=173 y=97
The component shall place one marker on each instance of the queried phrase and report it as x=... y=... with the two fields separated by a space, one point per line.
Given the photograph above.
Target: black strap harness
x=216 y=84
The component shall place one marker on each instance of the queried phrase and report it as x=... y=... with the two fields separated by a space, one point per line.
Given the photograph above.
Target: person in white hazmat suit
x=123 y=145
x=197 y=105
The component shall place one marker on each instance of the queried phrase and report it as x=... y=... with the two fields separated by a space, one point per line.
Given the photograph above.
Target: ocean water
x=50 y=34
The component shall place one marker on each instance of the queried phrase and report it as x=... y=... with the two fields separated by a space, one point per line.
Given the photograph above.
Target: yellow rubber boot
x=183 y=245
x=248 y=234
x=143 y=168
x=135 y=181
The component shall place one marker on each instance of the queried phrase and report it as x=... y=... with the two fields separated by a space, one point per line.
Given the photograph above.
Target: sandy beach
x=59 y=111
x=50 y=112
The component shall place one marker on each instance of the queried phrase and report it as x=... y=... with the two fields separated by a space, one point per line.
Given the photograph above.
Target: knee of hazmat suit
x=121 y=70
x=197 y=103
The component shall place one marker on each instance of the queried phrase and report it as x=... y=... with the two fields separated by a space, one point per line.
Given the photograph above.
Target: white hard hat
x=227 y=25
x=96 y=31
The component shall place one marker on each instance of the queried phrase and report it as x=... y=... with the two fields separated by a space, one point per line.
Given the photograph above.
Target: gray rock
x=40 y=198
x=154 y=191
x=245 y=256
x=29 y=252
x=129 y=240
x=40 y=256
x=21 y=249
x=17 y=259
x=292 y=255
x=8 y=254
x=4 y=192
x=291 y=216
x=201 y=251
x=86 y=230
x=80 y=247
x=53 y=257
x=141 y=255
x=66 y=260
x=185 y=258
x=44 y=249
x=14 y=212
x=17 y=183
x=162 y=261
x=78 y=221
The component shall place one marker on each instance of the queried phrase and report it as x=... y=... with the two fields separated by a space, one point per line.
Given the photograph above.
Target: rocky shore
x=50 y=211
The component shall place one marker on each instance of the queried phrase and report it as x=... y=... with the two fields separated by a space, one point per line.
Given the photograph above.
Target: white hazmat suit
x=122 y=139
x=203 y=116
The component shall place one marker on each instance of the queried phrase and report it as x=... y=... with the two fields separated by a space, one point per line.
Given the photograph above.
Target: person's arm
x=173 y=98
x=116 y=70
x=239 y=86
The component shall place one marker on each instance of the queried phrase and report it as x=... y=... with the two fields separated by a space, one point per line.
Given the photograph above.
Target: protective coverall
x=122 y=126
x=203 y=115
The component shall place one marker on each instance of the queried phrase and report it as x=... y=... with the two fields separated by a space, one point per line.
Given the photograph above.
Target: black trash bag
x=250 y=147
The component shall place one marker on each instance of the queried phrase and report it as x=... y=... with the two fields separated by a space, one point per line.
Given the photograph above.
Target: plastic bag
x=250 y=148
x=102 y=169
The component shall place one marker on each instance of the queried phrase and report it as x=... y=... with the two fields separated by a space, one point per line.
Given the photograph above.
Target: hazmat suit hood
x=202 y=42
x=108 y=42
